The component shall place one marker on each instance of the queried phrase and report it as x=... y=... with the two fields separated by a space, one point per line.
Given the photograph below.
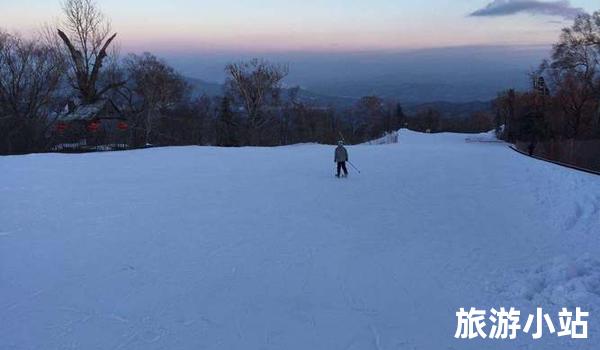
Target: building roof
x=103 y=109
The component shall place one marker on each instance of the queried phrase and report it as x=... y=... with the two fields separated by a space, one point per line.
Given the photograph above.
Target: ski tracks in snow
x=274 y=256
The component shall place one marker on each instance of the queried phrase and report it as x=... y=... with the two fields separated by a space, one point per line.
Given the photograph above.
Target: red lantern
x=122 y=126
x=61 y=127
x=94 y=126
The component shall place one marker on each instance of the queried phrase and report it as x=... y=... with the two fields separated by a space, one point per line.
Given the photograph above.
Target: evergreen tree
x=226 y=133
x=399 y=116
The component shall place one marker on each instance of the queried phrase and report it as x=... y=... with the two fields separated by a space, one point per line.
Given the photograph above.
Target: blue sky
x=313 y=25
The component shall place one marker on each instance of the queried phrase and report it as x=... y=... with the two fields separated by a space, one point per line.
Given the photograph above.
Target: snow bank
x=561 y=282
x=489 y=136
x=388 y=138
x=395 y=137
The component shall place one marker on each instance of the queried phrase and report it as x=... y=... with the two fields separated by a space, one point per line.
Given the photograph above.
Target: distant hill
x=201 y=87
x=447 y=109
x=455 y=74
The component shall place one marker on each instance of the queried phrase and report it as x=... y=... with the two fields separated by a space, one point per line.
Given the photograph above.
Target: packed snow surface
x=263 y=248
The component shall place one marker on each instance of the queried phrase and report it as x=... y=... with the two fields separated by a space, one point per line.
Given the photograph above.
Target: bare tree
x=30 y=74
x=3 y=39
x=291 y=105
x=371 y=109
x=153 y=87
x=256 y=83
x=431 y=119
x=226 y=125
x=86 y=34
x=505 y=107
x=578 y=49
x=574 y=71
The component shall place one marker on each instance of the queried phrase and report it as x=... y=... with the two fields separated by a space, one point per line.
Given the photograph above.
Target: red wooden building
x=99 y=126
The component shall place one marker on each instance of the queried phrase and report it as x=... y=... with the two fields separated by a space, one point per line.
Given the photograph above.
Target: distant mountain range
x=454 y=109
x=201 y=87
x=450 y=109
x=456 y=74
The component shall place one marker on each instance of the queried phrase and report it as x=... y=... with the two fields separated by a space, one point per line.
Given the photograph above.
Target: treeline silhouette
x=559 y=118
x=68 y=89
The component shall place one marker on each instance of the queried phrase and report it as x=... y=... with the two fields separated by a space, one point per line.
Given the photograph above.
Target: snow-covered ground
x=262 y=248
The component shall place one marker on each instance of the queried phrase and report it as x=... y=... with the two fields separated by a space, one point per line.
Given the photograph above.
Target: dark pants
x=340 y=166
x=531 y=148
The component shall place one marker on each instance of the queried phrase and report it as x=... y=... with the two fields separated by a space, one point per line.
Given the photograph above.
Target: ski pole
x=355 y=168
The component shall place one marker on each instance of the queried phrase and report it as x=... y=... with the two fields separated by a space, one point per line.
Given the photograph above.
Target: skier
x=531 y=147
x=341 y=157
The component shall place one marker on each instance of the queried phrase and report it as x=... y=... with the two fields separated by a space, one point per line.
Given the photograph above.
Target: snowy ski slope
x=263 y=248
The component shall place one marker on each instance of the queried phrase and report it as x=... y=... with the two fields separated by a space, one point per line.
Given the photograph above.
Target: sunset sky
x=314 y=25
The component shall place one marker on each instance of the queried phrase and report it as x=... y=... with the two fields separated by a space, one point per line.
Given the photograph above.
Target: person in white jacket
x=341 y=157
